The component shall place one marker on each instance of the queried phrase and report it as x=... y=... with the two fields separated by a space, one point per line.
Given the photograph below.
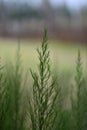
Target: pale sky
x=71 y=3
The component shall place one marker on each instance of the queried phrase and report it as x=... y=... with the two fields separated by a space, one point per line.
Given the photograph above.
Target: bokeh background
x=25 y=20
x=65 y=19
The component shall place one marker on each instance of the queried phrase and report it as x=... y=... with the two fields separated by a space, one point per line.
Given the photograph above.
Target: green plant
x=47 y=106
x=77 y=109
x=42 y=107
x=12 y=104
x=79 y=81
x=19 y=113
x=3 y=97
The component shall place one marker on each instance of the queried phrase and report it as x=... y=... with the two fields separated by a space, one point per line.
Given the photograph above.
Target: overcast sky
x=71 y=3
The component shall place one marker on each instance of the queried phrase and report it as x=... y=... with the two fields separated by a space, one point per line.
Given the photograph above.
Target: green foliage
x=25 y=12
x=17 y=94
x=79 y=83
x=12 y=111
x=46 y=105
x=43 y=113
x=3 y=97
x=79 y=105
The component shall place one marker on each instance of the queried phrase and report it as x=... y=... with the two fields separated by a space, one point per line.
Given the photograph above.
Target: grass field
x=63 y=54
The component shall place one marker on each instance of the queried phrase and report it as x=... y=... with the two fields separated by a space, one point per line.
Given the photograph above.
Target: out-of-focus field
x=62 y=54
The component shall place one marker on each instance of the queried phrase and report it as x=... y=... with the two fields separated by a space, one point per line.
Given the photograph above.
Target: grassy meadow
x=62 y=54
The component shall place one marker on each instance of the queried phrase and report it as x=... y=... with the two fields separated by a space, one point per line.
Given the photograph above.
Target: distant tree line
x=25 y=12
x=22 y=11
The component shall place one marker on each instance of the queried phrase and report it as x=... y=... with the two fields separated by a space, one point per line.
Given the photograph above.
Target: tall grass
x=45 y=106
x=12 y=111
x=43 y=112
x=79 y=104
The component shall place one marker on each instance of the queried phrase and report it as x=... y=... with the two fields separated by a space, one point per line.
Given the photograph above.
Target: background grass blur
x=63 y=54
